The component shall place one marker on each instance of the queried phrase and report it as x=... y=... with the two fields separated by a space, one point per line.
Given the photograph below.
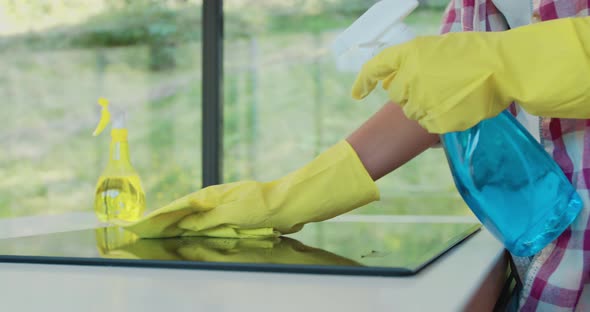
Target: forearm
x=388 y=140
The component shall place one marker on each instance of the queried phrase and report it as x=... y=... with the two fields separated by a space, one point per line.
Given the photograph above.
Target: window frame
x=212 y=93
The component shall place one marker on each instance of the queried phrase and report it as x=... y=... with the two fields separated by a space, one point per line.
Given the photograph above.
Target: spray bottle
x=119 y=194
x=503 y=174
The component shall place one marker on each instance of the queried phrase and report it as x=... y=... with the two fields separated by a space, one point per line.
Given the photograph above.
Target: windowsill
x=467 y=277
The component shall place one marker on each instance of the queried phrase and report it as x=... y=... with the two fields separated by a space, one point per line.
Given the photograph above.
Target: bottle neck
x=119 y=149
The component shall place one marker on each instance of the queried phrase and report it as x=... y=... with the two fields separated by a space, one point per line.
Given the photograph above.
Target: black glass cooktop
x=350 y=248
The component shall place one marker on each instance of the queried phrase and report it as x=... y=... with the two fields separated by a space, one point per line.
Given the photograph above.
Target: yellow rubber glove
x=452 y=82
x=333 y=183
x=277 y=250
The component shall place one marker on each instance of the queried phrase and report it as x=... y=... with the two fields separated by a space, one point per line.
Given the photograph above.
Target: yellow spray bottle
x=119 y=194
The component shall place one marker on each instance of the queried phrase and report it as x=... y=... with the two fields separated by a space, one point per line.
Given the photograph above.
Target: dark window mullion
x=212 y=90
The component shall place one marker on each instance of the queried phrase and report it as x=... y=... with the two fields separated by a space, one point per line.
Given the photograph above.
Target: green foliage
x=156 y=23
x=148 y=25
x=131 y=25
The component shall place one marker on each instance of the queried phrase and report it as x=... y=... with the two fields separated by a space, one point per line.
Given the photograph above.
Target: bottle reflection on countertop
x=109 y=239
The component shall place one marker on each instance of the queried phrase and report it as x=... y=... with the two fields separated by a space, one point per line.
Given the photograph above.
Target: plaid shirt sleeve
x=472 y=15
x=555 y=278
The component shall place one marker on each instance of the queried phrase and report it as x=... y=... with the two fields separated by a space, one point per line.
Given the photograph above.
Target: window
x=57 y=58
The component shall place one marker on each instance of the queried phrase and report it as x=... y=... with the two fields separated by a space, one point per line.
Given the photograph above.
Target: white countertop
x=446 y=285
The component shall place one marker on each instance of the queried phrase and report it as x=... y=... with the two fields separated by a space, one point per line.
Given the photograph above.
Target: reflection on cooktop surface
x=359 y=248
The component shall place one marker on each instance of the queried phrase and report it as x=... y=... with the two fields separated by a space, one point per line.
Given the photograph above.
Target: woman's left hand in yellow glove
x=452 y=82
x=333 y=183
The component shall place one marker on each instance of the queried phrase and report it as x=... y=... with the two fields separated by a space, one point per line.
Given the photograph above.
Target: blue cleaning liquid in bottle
x=511 y=184
x=503 y=174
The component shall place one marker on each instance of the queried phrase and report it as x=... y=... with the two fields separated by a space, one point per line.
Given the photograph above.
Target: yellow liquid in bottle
x=119 y=194
x=119 y=198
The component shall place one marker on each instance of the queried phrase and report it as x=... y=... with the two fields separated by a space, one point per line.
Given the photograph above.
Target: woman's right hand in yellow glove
x=452 y=82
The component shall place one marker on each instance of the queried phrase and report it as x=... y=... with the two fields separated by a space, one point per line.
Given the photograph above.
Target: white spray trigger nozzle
x=380 y=26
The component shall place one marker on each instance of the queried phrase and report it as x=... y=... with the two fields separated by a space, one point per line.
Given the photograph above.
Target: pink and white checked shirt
x=554 y=279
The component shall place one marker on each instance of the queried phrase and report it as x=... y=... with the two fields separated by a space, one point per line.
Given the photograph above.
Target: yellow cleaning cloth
x=452 y=82
x=333 y=183
x=164 y=222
